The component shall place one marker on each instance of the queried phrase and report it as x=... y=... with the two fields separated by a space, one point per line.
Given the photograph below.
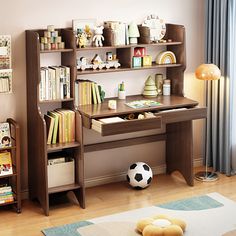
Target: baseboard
x=100 y=180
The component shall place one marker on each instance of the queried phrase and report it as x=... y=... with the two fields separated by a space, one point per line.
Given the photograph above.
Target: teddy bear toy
x=161 y=225
x=98 y=37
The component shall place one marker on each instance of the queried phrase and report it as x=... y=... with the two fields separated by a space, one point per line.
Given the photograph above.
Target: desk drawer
x=126 y=126
x=178 y=115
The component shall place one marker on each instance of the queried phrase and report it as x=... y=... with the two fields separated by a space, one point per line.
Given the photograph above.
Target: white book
x=111 y=119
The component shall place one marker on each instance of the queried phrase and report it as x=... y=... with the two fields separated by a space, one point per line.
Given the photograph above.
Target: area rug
x=207 y=215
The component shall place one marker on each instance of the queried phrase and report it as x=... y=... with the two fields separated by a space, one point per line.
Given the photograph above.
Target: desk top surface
x=166 y=102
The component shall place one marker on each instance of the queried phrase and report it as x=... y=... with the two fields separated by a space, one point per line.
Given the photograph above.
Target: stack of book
x=60 y=126
x=87 y=92
x=6 y=194
x=55 y=83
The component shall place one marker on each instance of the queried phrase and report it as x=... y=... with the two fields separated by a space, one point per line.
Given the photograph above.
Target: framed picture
x=85 y=26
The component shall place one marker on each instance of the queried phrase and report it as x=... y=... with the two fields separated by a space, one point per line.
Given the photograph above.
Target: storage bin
x=61 y=174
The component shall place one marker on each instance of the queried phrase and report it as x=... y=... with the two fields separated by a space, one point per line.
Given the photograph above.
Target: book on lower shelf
x=60 y=125
x=6 y=194
x=5 y=164
x=5 y=136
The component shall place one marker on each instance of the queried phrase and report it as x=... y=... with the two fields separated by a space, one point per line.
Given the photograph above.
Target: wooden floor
x=108 y=199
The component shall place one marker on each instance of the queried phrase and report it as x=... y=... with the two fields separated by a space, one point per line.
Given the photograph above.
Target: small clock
x=157 y=27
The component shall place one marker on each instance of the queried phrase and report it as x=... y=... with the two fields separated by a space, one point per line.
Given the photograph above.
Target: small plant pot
x=121 y=95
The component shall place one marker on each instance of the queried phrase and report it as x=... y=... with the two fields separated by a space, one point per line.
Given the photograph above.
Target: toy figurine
x=98 y=37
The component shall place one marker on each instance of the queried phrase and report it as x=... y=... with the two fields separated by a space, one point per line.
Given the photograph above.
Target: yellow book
x=94 y=93
x=5 y=163
x=97 y=93
x=50 y=124
x=56 y=124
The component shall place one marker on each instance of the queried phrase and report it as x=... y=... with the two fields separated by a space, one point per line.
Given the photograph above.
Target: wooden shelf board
x=7 y=148
x=128 y=46
x=63 y=188
x=57 y=100
x=57 y=50
x=153 y=66
x=8 y=203
x=59 y=146
x=91 y=71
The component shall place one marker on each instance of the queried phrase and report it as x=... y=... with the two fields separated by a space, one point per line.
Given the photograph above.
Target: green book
x=56 y=124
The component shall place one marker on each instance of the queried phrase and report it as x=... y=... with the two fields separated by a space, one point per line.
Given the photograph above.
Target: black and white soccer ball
x=139 y=175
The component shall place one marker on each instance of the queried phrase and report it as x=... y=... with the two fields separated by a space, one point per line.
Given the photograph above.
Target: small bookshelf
x=10 y=165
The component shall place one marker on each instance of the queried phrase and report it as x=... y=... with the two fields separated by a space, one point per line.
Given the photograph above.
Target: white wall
x=17 y=16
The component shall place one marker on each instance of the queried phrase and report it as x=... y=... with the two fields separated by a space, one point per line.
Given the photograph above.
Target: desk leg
x=179 y=149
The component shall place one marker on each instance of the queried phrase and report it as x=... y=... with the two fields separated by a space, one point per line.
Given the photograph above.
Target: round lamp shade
x=208 y=72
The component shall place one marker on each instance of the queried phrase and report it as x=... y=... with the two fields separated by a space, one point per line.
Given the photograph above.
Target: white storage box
x=61 y=174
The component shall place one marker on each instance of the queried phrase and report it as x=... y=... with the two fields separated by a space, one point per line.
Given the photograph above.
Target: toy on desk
x=150 y=89
x=98 y=37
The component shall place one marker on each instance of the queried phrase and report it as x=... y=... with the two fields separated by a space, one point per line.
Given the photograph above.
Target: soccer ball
x=139 y=175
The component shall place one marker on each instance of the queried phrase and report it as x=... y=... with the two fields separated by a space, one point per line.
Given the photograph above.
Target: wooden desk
x=178 y=121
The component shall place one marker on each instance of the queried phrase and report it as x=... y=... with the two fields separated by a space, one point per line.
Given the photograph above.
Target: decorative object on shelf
x=112 y=104
x=150 y=89
x=144 y=34
x=139 y=175
x=81 y=39
x=207 y=72
x=115 y=33
x=121 y=91
x=5 y=136
x=98 y=37
x=51 y=40
x=166 y=57
x=136 y=61
x=161 y=225
x=159 y=83
x=140 y=51
x=5 y=64
x=157 y=27
x=133 y=33
x=166 y=87
x=86 y=28
x=147 y=60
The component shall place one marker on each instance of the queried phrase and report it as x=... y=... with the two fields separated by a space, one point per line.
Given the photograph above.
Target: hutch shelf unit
x=175 y=112
x=13 y=179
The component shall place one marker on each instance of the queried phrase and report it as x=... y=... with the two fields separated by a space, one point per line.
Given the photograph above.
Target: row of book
x=55 y=83
x=5 y=163
x=60 y=125
x=6 y=194
x=87 y=92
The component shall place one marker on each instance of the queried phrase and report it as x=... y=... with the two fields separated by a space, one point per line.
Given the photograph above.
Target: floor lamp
x=207 y=72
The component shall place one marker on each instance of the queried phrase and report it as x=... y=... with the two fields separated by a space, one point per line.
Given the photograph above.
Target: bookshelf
x=13 y=179
x=39 y=152
x=178 y=123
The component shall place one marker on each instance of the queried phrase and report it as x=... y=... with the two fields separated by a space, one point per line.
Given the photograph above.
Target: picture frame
x=86 y=26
